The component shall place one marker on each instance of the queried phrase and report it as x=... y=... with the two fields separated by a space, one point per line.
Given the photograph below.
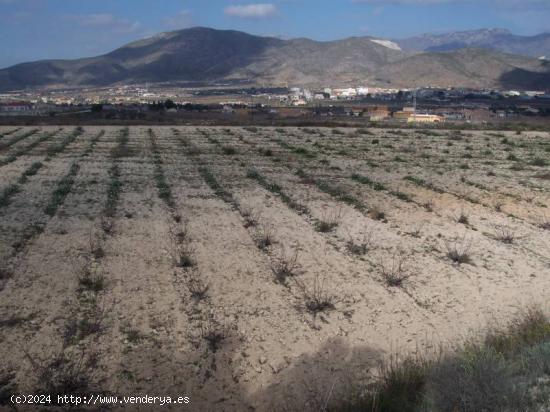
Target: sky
x=45 y=29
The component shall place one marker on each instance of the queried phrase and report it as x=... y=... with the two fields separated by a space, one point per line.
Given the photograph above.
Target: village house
x=378 y=113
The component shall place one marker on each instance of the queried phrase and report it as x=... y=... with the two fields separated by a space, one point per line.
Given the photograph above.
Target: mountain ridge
x=203 y=54
x=496 y=39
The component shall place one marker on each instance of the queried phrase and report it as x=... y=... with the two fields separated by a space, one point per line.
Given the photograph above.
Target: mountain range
x=492 y=39
x=204 y=55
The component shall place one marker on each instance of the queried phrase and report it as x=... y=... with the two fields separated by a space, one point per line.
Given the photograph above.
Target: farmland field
x=258 y=267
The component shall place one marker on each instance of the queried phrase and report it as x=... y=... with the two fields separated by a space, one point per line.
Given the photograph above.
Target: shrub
x=530 y=328
x=64 y=374
x=264 y=238
x=376 y=213
x=479 y=380
x=183 y=258
x=362 y=246
x=5 y=274
x=284 y=266
x=459 y=251
x=328 y=222
x=463 y=219
x=91 y=279
x=228 y=150
x=214 y=333
x=486 y=375
x=505 y=234
x=197 y=287
x=317 y=299
x=537 y=359
x=539 y=161
x=8 y=386
x=7 y=193
x=395 y=272
x=429 y=206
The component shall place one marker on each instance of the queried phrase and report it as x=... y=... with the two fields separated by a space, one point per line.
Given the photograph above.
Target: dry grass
x=328 y=221
x=66 y=373
x=264 y=237
x=317 y=298
x=463 y=219
x=197 y=286
x=503 y=372
x=251 y=217
x=285 y=265
x=214 y=332
x=181 y=248
x=459 y=250
x=505 y=234
x=395 y=270
x=362 y=245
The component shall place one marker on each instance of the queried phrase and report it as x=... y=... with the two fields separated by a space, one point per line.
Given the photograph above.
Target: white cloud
x=180 y=20
x=419 y=2
x=252 y=11
x=104 y=20
x=544 y=4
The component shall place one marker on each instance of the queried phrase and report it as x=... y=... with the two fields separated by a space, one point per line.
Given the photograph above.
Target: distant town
x=372 y=104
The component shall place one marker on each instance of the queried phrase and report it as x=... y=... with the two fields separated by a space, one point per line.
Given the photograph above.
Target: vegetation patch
x=502 y=372
x=55 y=150
x=422 y=183
x=9 y=132
x=459 y=251
x=113 y=191
x=30 y=171
x=24 y=150
x=164 y=191
x=337 y=192
x=276 y=189
x=229 y=150
x=64 y=187
x=16 y=139
x=121 y=149
x=7 y=193
x=212 y=182
x=365 y=180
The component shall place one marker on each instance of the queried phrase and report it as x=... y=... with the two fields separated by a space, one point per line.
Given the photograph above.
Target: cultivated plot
x=258 y=267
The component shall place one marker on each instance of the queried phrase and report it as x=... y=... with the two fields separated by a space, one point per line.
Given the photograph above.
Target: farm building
x=426 y=118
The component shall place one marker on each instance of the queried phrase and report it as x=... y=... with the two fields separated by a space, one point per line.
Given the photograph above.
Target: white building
x=349 y=92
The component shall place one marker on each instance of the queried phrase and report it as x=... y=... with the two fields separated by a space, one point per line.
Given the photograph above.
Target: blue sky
x=40 y=29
